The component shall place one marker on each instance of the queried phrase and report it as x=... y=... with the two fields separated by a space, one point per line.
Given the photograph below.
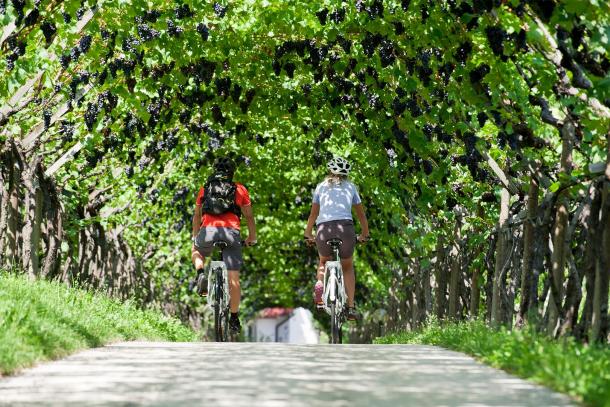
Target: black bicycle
x=219 y=295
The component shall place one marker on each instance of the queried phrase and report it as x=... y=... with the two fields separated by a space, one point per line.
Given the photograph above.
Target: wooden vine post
x=501 y=256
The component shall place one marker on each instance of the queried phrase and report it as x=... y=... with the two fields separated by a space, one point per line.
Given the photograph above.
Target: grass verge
x=578 y=370
x=42 y=320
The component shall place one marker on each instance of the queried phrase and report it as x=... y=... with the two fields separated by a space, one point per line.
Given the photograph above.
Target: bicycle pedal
x=320 y=307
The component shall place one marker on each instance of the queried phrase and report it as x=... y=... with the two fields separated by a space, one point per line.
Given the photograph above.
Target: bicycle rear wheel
x=220 y=317
x=335 y=325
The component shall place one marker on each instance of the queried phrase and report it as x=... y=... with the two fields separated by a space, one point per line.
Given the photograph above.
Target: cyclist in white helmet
x=331 y=211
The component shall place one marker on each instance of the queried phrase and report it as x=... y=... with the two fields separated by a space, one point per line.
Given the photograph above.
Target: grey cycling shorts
x=341 y=229
x=232 y=255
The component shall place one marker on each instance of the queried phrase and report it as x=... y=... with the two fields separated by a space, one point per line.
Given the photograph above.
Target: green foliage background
x=398 y=87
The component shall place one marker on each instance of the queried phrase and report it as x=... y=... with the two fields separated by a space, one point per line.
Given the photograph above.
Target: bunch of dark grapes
x=183 y=11
x=17 y=49
x=32 y=17
x=521 y=41
x=277 y=67
x=80 y=13
x=217 y=115
x=151 y=16
x=398 y=106
x=129 y=171
x=204 y=31
x=360 y=6
x=477 y=74
x=84 y=44
x=337 y=16
x=386 y=53
x=66 y=129
x=236 y=92
x=289 y=67
x=496 y=37
x=482 y=118
x=48 y=30
x=147 y=33
x=322 y=16
x=90 y=115
x=404 y=4
x=370 y=43
x=46 y=117
x=425 y=13
x=130 y=43
x=18 y=6
x=399 y=28
x=223 y=86
x=172 y=29
x=220 y=10
x=2 y=7
x=463 y=52
x=67 y=17
x=375 y=10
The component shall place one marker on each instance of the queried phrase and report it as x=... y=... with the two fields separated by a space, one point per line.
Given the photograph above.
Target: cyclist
x=218 y=208
x=331 y=211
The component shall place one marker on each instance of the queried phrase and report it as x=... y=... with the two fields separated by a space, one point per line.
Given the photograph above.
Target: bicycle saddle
x=221 y=243
x=334 y=242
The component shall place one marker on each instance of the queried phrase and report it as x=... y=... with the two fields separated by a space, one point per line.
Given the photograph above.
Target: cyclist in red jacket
x=220 y=203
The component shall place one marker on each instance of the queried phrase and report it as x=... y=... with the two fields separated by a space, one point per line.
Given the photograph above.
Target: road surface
x=268 y=374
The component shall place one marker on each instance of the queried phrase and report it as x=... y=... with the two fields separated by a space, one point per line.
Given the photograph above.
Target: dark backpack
x=219 y=196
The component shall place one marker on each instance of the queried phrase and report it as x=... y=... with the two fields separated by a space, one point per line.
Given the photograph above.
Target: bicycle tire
x=217 y=328
x=334 y=328
x=218 y=312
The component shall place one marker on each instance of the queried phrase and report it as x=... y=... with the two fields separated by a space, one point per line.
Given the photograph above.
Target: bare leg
x=350 y=279
x=235 y=290
x=197 y=259
x=321 y=266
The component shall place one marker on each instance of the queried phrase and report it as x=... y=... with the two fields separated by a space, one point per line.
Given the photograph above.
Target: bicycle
x=334 y=297
x=219 y=295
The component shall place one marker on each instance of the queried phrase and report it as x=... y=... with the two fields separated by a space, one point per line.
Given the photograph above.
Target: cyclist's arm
x=246 y=210
x=364 y=224
x=313 y=215
x=196 y=220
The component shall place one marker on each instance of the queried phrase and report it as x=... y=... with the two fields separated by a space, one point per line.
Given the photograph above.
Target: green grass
x=566 y=366
x=41 y=320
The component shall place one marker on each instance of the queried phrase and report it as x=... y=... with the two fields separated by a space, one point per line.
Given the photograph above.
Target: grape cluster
x=217 y=115
x=204 y=31
x=48 y=30
x=370 y=43
x=236 y=92
x=80 y=13
x=90 y=115
x=17 y=49
x=223 y=86
x=375 y=9
x=147 y=33
x=32 y=17
x=322 y=16
x=46 y=116
x=84 y=44
x=386 y=53
x=172 y=29
x=463 y=52
x=67 y=17
x=404 y=4
x=496 y=37
x=220 y=10
x=337 y=16
x=3 y=7
x=18 y=6
x=66 y=130
x=477 y=74
x=183 y=11
x=290 y=67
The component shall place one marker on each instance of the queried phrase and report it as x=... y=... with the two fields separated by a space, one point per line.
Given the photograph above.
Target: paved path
x=246 y=374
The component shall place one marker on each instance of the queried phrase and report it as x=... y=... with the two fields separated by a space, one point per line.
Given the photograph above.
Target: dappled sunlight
x=271 y=374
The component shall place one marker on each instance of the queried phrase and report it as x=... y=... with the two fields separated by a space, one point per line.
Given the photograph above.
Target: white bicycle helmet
x=339 y=166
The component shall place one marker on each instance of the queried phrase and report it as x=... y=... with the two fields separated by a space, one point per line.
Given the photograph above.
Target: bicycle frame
x=219 y=295
x=334 y=287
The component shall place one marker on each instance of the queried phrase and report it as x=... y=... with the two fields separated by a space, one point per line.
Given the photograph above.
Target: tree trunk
x=441 y=279
x=454 y=290
x=501 y=257
x=558 y=257
x=32 y=210
x=528 y=290
x=599 y=328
